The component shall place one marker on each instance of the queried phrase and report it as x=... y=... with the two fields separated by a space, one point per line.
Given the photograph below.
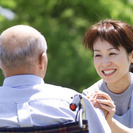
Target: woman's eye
x=98 y=55
x=112 y=54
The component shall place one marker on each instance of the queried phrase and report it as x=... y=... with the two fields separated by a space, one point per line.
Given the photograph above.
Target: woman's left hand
x=103 y=101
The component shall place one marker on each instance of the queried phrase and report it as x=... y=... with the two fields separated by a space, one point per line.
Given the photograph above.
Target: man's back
x=25 y=100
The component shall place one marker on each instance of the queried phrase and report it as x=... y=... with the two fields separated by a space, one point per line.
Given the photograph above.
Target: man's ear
x=43 y=61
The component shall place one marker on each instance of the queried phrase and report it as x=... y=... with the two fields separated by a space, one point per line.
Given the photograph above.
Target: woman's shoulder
x=96 y=86
x=131 y=76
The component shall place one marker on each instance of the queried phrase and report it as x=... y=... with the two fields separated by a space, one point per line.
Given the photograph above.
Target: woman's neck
x=119 y=86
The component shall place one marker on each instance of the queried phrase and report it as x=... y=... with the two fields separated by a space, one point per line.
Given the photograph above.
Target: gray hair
x=16 y=55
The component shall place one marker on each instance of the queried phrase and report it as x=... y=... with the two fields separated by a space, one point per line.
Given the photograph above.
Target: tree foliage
x=63 y=23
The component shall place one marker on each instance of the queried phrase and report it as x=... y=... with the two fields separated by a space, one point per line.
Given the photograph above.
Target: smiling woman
x=108 y=63
x=112 y=43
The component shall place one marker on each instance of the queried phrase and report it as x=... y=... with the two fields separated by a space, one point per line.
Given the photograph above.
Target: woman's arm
x=104 y=102
x=117 y=127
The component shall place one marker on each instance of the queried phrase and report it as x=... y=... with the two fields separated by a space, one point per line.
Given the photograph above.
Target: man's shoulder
x=57 y=92
x=94 y=87
x=59 y=88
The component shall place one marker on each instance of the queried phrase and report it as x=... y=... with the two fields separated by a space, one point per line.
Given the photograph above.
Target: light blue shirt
x=25 y=101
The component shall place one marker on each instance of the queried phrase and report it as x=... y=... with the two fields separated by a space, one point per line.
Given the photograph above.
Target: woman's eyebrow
x=96 y=50
x=107 y=49
x=111 y=48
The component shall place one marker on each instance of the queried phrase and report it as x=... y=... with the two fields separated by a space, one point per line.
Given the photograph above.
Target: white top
x=123 y=101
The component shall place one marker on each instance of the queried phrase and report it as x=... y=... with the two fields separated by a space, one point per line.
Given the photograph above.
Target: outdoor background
x=63 y=23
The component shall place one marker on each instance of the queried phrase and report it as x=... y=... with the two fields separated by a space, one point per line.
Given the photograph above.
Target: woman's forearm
x=117 y=127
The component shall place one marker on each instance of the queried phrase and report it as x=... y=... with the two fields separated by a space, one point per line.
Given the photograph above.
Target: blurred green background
x=63 y=23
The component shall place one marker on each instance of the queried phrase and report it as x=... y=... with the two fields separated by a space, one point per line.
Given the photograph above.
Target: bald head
x=19 y=36
x=21 y=45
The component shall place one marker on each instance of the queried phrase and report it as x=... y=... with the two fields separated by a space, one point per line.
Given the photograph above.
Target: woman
x=112 y=44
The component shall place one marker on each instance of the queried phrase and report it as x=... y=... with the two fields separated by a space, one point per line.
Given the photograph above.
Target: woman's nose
x=106 y=62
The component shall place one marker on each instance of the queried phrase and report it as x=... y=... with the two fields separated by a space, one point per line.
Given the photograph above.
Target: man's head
x=23 y=51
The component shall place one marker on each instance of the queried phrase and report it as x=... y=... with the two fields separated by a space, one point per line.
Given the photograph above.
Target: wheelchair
x=79 y=126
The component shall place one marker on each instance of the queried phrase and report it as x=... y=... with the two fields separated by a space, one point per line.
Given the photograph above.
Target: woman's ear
x=131 y=57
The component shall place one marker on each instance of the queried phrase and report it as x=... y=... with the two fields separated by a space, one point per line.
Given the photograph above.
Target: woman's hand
x=103 y=101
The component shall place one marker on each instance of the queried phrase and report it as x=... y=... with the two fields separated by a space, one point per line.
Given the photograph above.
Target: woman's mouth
x=108 y=72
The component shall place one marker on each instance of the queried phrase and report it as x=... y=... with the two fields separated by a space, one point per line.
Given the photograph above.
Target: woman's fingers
x=106 y=102
x=103 y=101
x=91 y=95
x=108 y=108
x=102 y=94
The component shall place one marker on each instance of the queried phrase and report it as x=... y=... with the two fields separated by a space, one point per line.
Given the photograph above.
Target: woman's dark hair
x=115 y=32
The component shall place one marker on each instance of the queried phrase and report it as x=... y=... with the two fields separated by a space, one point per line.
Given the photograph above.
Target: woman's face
x=111 y=64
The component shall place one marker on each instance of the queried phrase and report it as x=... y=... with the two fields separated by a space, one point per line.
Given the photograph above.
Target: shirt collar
x=20 y=80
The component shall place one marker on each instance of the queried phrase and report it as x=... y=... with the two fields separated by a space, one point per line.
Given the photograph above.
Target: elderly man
x=25 y=100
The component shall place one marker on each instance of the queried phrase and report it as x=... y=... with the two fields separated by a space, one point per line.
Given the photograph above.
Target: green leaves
x=63 y=23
